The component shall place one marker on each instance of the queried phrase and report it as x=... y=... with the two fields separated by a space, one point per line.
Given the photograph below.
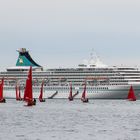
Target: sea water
x=58 y=119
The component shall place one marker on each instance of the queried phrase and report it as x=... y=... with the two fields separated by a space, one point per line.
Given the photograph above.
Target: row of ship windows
x=73 y=75
x=64 y=76
x=52 y=88
x=103 y=88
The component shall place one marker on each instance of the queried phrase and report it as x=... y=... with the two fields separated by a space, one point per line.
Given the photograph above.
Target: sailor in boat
x=70 y=98
x=42 y=100
x=34 y=101
x=3 y=100
x=85 y=100
x=31 y=102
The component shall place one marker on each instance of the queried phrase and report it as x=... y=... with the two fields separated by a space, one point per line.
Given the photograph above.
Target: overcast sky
x=63 y=32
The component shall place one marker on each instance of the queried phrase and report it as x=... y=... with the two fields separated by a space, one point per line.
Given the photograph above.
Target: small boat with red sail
x=41 y=93
x=18 y=96
x=2 y=99
x=28 y=92
x=70 y=94
x=83 y=98
x=131 y=94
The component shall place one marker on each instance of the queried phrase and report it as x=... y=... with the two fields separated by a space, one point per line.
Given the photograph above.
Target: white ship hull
x=94 y=92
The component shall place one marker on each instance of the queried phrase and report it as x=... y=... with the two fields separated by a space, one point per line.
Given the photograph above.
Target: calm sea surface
x=64 y=120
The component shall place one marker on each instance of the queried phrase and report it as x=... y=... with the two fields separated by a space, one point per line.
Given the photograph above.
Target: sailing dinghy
x=70 y=94
x=41 y=93
x=18 y=96
x=131 y=95
x=83 y=98
x=28 y=92
x=2 y=100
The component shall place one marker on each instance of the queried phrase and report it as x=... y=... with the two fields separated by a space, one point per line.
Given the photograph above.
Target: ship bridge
x=93 y=62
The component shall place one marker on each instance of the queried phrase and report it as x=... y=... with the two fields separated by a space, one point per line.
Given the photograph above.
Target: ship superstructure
x=103 y=82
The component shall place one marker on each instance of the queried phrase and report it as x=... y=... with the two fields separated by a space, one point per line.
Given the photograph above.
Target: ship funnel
x=25 y=59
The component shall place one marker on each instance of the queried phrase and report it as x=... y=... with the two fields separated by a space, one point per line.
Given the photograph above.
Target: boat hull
x=93 y=92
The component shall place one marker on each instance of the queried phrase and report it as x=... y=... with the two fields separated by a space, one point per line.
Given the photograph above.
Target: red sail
x=41 y=91
x=17 y=95
x=84 y=92
x=83 y=98
x=26 y=90
x=28 y=95
x=70 y=95
x=1 y=88
x=131 y=94
x=30 y=92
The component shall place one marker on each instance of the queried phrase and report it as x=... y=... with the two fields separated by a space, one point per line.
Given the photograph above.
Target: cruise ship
x=102 y=81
